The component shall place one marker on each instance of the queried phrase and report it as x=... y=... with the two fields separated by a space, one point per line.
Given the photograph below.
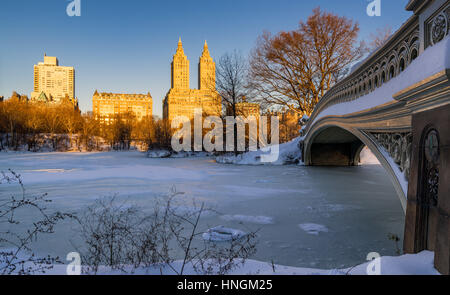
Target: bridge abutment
x=427 y=225
x=334 y=146
x=336 y=154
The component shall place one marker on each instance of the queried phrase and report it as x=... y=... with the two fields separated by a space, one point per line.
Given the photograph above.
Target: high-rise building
x=180 y=69
x=106 y=106
x=181 y=100
x=206 y=71
x=52 y=82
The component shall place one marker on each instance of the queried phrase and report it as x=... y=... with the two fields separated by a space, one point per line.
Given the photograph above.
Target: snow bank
x=183 y=154
x=222 y=234
x=171 y=154
x=368 y=158
x=410 y=264
x=46 y=143
x=398 y=173
x=289 y=153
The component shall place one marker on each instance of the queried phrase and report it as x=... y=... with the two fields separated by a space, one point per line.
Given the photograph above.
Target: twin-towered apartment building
x=181 y=100
x=53 y=83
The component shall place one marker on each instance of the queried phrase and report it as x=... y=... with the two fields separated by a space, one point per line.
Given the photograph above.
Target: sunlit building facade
x=181 y=100
x=245 y=109
x=107 y=106
x=53 y=83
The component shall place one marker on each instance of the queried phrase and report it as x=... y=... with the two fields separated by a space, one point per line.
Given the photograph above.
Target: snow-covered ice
x=249 y=219
x=358 y=203
x=313 y=228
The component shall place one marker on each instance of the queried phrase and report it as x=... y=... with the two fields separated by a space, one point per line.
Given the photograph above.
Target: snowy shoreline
x=408 y=264
x=289 y=153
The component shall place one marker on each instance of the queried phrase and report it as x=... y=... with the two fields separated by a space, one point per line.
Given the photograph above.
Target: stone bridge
x=397 y=103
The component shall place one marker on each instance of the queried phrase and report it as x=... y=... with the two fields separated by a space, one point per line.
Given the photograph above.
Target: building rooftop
x=122 y=95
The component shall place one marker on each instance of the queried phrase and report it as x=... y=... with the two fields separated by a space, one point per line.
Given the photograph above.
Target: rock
x=222 y=234
x=158 y=154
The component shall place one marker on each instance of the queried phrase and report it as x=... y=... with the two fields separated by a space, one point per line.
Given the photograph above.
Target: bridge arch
x=332 y=143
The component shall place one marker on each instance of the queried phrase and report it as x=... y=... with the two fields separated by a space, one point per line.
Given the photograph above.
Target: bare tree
x=162 y=134
x=13 y=112
x=71 y=121
x=295 y=69
x=380 y=37
x=118 y=131
x=53 y=120
x=231 y=83
x=231 y=80
x=34 y=124
x=88 y=130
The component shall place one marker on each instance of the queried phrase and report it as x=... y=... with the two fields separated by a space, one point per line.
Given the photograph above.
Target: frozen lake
x=308 y=216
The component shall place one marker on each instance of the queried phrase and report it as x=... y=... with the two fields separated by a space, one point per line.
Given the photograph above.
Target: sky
x=127 y=46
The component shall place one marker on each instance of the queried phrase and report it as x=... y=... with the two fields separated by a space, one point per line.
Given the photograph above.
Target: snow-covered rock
x=223 y=234
x=313 y=229
x=191 y=154
x=158 y=154
x=172 y=154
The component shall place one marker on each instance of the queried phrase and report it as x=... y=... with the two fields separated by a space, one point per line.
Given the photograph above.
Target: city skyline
x=113 y=53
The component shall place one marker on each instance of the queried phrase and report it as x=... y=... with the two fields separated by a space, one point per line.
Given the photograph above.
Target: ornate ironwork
x=431 y=168
x=432 y=147
x=439 y=28
x=398 y=146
